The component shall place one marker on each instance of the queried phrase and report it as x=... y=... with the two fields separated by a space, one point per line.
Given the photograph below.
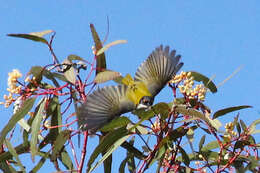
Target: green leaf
x=130 y=148
x=251 y=140
x=239 y=167
x=24 y=125
x=28 y=104
x=202 y=141
x=244 y=127
x=25 y=138
x=253 y=163
x=103 y=49
x=210 y=146
x=66 y=160
x=195 y=113
x=162 y=108
x=241 y=144
x=185 y=157
x=192 y=102
x=130 y=156
x=253 y=126
x=60 y=76
x=40 y=163
x=235 y=122
x=107 y=163
x=101 y=59
x=61 y=139
x=112 y=148
x=55 y=116
x=34 y=36
x=51 y=77
x=41 y=33
x=20 y=149
x=75 y=57
x=122 y=166
x=54 y=111
x=115 y=123
x=177 y=133
x=105 y=143
x=69 y=73
x=38 y=72
x=51 y=106
x=13 y=152
x=7 y=167
x=36 y=124
x=228 y=110
x=144 y=114
x=159 y=154
x=255 y=131
x=238 y=128
x=178 y=101
x=206 y=81
x=105 y=76
x=141 y=130
x=49 y=138
x=161 y=151
x=210 y=155
x=160 y=162
x=131 y=162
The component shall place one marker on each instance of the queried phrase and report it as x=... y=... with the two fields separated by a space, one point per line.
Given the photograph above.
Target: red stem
x=83 y=153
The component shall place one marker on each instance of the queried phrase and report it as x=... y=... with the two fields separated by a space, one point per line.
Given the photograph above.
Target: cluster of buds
x=13 y=88
x=12 y=82
x=167 y=157
x=181 y=77
x=156 y=126
x=229 y=127
x=199 y=91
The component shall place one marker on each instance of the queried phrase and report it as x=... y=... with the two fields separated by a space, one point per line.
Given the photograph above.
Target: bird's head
x=145 y=102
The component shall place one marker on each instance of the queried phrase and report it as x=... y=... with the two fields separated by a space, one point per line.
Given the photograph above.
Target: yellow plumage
x=136 y=89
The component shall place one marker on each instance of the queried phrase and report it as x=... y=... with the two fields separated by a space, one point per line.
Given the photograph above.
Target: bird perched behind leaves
x=106 y=103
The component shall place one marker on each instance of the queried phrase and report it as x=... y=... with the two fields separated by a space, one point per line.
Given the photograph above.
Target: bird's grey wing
x=102 y=106
x=158 y=69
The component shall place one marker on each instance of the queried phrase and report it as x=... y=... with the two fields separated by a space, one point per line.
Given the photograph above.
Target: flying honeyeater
x=109 y=102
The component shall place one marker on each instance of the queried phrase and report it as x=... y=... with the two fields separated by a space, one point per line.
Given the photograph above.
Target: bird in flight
x=109 y=102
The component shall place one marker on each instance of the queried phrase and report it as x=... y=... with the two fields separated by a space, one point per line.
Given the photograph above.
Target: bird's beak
x=142 y=106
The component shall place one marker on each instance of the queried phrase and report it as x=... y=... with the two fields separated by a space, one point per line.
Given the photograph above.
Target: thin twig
x=74 y=153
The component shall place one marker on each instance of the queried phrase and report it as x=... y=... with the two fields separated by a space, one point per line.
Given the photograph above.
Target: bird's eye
x=146 y=102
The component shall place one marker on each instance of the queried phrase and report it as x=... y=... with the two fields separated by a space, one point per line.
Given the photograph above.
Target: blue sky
x=214 y=38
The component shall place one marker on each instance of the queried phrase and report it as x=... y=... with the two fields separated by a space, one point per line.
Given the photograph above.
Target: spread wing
x=102 y=106
x=158 y=69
